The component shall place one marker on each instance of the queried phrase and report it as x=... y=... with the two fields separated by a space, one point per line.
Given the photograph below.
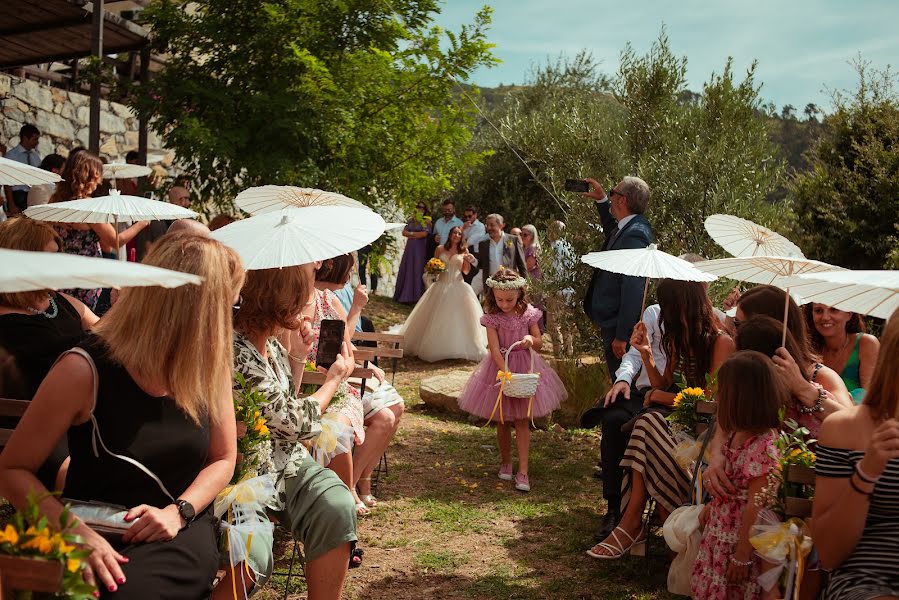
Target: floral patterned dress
x=86 y=243
x=347 y=400
x=756 y=457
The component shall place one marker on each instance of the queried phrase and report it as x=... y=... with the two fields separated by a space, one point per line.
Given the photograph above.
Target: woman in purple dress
x=409 y=283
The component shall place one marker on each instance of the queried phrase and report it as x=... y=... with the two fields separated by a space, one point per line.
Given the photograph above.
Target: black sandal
x=356 y=555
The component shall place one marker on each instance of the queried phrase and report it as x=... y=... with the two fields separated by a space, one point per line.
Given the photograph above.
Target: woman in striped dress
x=856 y=510
x=696 y=345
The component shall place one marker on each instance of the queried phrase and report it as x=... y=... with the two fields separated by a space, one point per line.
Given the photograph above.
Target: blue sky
x=803 y=47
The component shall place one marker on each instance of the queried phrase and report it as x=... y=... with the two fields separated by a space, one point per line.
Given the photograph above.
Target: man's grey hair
x=636 y=191
x=497 y=217
x=691 y=257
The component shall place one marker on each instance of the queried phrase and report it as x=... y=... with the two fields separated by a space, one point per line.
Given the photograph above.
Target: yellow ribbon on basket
x=502 y=377
x=786 y=545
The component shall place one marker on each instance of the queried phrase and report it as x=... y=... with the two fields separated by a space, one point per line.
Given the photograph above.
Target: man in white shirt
x=443 y=225
x=26 y=153
x=622 y=403
x=473 y=230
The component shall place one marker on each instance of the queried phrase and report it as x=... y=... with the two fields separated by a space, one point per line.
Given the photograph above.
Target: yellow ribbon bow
x=784 y=544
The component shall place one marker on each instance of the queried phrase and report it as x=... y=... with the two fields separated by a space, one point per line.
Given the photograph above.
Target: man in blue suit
x=613 y=303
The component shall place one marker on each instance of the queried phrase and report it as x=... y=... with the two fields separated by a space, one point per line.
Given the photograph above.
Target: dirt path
x=448 y=528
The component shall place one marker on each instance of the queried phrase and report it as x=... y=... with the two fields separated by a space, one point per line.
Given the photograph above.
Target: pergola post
x=97 y=51
x=142 y=142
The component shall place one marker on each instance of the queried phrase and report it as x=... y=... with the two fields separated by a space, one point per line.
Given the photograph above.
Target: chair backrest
x=804 y=477
x=317 y=378
x=10 y=408
x=704 y=409
x=394 y=341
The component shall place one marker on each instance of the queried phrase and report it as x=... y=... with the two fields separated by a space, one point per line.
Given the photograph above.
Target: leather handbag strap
x=95 y=433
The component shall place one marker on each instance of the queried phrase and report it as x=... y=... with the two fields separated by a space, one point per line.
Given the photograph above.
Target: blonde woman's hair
x=882 y=396
x=535 y=239
x=182 y=337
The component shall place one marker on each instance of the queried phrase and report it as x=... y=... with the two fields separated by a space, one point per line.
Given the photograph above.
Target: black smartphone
x=576 y=185
x=330 y=338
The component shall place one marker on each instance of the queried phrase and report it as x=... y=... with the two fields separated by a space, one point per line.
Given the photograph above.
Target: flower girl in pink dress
x=509 y=319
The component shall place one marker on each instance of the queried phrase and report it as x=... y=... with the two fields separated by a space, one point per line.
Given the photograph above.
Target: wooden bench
x=804 y=477
x=19 y=573
x=393 y=348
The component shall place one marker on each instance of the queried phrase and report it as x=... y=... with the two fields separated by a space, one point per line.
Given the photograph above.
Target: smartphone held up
x=577 y=185
x=330 y=340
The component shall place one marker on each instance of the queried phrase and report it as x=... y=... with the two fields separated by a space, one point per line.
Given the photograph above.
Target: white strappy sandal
x=637 y=547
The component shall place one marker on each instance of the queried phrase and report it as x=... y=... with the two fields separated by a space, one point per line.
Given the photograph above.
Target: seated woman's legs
x=342 y=464
x=382 y=426
x=322 y=516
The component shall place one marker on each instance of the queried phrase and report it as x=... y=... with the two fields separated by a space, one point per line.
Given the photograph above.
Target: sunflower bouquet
x=684 y=417
x=28 y=535
x=252 y=432
x=435 y=266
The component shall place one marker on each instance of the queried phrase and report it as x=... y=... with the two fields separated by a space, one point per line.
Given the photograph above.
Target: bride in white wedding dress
x=446 y=322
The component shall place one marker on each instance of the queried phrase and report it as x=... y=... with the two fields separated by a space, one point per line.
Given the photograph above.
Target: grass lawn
x=448 y=528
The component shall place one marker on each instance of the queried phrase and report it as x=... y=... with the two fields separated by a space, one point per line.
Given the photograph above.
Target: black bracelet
x=858 y=489
x=862 y=476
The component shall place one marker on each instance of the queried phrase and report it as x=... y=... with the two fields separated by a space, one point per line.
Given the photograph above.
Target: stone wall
x=62 y=118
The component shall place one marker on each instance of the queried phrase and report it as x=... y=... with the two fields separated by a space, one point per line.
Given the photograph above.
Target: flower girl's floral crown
x=517 y=283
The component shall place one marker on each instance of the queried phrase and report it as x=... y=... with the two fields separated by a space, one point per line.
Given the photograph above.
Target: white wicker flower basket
x=521 y=385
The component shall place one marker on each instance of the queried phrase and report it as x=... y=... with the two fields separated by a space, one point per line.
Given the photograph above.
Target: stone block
x=78 y=100
x=67 y=111
x=54 y=125
x=131 y=140
x=110 y=148
x=14 y=118
x=83 y=114
x=109 y=123
x=5 y=85
x=33 y=94
x=442 y=392
x=121 y=110
x=82 y=137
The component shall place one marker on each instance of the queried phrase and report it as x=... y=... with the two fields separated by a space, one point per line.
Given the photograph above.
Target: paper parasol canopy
x=16 y=173
x=741 y=237
x=268 y=198
x=27 y=271
x=298 y=236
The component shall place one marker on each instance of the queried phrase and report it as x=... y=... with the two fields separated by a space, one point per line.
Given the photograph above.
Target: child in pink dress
x=750 y=397
x=511 y=319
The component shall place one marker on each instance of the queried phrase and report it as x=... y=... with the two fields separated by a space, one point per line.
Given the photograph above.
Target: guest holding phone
x=271 y=342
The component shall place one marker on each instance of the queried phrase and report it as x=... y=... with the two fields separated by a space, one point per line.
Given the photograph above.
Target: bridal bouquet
x=435 y=266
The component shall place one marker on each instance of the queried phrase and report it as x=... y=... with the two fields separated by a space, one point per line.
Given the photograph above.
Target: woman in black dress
x=163 y=360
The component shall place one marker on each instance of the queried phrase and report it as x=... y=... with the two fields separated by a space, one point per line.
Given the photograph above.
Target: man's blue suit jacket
x=613 y=300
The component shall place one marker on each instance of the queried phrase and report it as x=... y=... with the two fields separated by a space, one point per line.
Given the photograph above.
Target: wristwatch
x=186 y=510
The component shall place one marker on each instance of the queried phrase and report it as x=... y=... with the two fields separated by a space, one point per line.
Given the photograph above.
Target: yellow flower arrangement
x=684 y=418
x=29 y=535
x=247 y=408
x=435 y=266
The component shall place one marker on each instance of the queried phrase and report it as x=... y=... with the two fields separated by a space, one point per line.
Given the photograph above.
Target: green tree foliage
x=349 y=95
x=700 y=153
x=847 y=202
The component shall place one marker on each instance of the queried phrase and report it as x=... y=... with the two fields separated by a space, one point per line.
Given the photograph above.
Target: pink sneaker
x=505 y=472
x=522 y=484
